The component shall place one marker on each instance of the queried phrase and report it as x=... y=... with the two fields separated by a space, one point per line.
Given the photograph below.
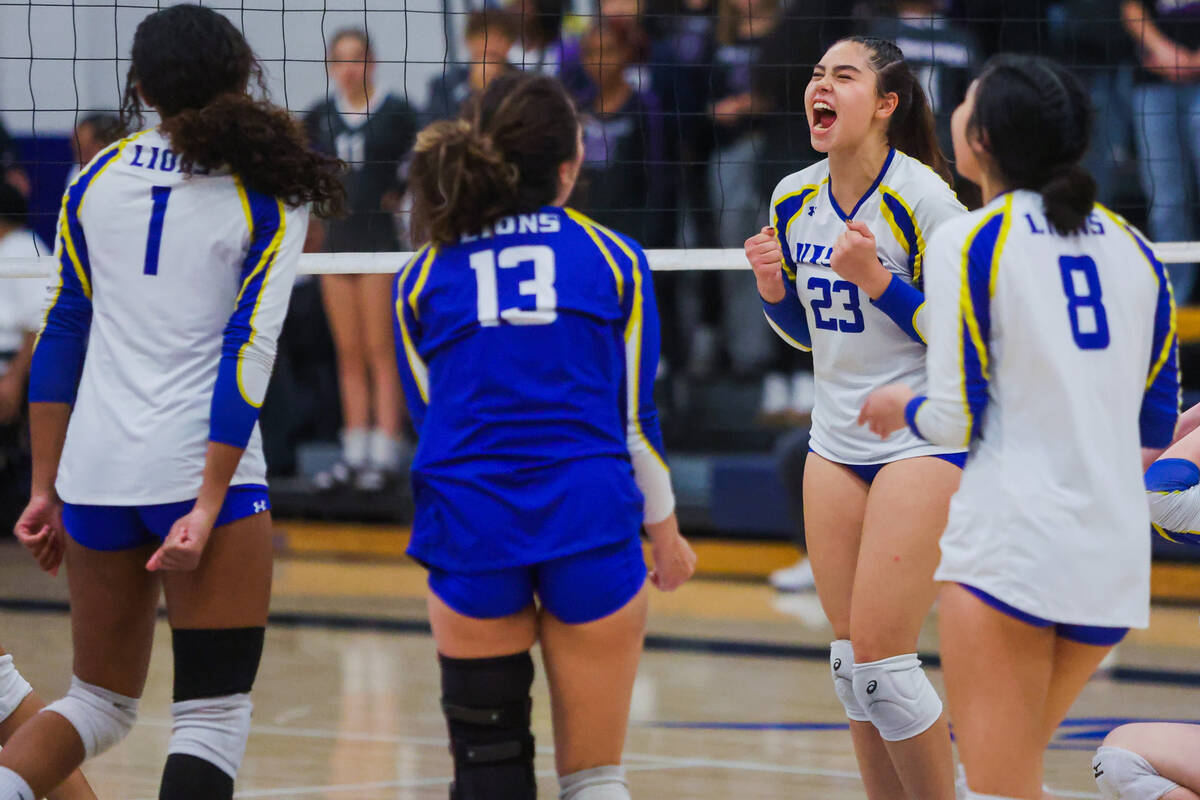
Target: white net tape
x=676 y=260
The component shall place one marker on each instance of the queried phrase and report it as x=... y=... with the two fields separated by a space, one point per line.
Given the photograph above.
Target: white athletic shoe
x=804 y=392
x=796 y=578
x=775 y=396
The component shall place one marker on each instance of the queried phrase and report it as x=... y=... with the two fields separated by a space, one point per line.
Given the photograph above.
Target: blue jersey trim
x=887 y=162
x=901 y=302
x=980 y=255
x=1172 y=475
x=910 y=414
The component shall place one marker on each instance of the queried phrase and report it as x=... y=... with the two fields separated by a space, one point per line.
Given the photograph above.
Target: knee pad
x=101 y=718
x=1124 y=775
x=487 y=705
x=897 y=697
x=598 y=783
x=841 y=663
x=13 y=688
x=214 y=672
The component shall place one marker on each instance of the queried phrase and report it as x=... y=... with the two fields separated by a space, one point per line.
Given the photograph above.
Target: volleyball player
x=177 y=249
x=1050 y=320
x=839 y=272
x=527 y=337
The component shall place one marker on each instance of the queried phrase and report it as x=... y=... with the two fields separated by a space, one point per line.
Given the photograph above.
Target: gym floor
x=733 y=698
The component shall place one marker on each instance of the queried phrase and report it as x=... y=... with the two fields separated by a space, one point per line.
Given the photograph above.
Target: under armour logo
x=260 y=506
x=1096 y=770
x=812 y=210
x=837 y=664
x=872 y=686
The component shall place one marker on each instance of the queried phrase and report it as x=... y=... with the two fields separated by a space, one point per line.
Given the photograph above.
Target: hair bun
x=1068 y=196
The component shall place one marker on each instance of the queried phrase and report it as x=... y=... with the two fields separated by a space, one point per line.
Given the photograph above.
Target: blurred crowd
x=693 y=110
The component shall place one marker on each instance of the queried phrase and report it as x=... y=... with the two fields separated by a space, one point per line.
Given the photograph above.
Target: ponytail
x=501 y=158
x=1034 y=117
x=261 y=144
x=912 y=128
x=195 y=68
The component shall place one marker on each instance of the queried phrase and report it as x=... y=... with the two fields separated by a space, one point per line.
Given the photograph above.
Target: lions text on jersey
x=858 y=344
x=528 y=354
x=1055 y=358
x=170 y=293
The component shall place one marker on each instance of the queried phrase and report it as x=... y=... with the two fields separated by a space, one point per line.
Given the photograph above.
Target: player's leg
x=997 y=672
x=340 y=295
x=1074 y=664
x=593 y=623
x=835 y=502
x=218 y=615
x=487 y=673
x=387 y=401
x=893 y=591
x=19 y=704
x=113 y=602
x=1144 y=760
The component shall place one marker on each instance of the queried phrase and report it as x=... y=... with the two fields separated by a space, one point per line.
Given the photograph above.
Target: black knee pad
x=215 y=663
x=486 y=702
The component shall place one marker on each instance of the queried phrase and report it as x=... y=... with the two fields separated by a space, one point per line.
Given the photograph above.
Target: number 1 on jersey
x=540 y=286
x=160 y=195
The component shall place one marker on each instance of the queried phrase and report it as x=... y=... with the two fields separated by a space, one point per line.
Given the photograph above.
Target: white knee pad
x=102 y=718
x=1124 y=775
x=214 y=729
x=896 y=696
x=841 y=664
x=598 y=783
x=13 y=688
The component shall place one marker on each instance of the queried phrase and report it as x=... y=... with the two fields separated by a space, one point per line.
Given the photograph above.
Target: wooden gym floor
x=733 y=699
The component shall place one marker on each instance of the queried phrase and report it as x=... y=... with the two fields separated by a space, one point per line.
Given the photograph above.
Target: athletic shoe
x=796 y=578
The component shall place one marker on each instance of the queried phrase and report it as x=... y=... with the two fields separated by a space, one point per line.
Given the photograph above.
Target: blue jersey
x=528 y=353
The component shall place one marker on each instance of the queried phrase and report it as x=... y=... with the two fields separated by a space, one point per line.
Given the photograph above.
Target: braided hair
x=1035 y=120
x=912 y=128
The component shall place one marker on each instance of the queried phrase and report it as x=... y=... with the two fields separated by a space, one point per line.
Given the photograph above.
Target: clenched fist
x=856 y=260
x=765 y=255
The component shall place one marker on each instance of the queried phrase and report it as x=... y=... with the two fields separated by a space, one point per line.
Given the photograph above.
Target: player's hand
x=856 y=260
x=883 y=412
x=184 y=545
x=674 y=559
x=41 y=531
x=766 y=259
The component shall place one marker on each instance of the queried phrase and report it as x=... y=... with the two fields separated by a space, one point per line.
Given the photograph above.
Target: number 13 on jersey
x=540 y=287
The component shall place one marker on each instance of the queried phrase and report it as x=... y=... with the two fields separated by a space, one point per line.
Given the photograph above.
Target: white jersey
x=22 y=300
x=857 y=345
x=185 y=281
x=1056 y=358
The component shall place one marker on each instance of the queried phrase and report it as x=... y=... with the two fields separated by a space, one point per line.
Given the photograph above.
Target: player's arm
x=775 y=271
x=414 y=374
x=54 y=374
x=248 y=348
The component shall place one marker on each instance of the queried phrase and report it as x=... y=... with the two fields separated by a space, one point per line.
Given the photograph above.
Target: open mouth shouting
x=823 y=116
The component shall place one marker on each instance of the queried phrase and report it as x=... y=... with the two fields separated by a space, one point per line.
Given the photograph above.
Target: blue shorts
x=579 y=588
x=127 y=527
x=1084 y=634
x=868 y=472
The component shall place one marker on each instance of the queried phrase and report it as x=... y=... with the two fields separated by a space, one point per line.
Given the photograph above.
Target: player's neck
x=991 y=187
x=853 y=172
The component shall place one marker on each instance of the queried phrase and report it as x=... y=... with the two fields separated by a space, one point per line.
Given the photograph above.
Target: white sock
x=383 y=450
x=13 y=786
x=598 y=783
x=355 y=442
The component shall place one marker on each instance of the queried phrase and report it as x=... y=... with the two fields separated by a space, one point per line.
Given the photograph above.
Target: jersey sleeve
x=643 y=436
x=957 y=364
x=252 y=332
x=62 y=342
x=1173 y=490
x=787 y=317
x=1160 y=403
x=414 y=374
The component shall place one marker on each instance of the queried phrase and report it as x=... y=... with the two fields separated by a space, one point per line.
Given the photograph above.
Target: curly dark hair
x=500 y=158
x=193 y=66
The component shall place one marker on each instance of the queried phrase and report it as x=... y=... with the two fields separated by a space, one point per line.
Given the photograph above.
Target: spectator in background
x=490 y=35
x=539 y=46
x=10 y=170
x=942 y=53
x=93 y=133
x=622 y=176
x=372 y=130
x=1006 y=26
x=21 y=304
x=1166 y=100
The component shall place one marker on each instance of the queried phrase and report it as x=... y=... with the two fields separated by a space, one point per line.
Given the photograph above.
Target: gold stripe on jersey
x=416 y=364
x=589 y=226
x=918 y=258
x=264 y=265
